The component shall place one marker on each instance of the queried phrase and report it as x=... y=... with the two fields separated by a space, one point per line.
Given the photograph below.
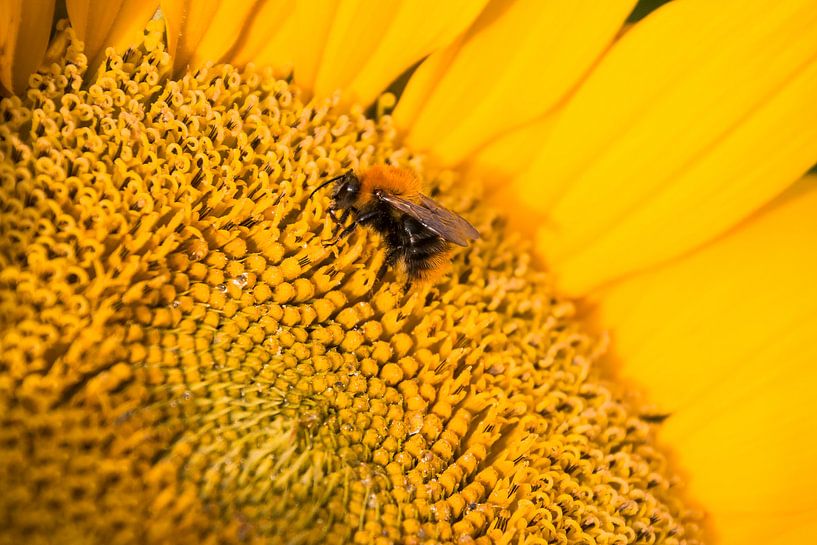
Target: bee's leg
x=345 y=215
x=331 y=213
x=381 y=272
x=339 y=221
x=411 y=269
x=368 y=217
x=345 y=232
x=390 y=260
x=361 y=220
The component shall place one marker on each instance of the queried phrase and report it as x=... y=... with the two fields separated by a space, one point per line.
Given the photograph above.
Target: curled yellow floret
x=184 y=360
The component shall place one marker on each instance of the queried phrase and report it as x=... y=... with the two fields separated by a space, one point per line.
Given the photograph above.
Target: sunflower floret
x=183 y=358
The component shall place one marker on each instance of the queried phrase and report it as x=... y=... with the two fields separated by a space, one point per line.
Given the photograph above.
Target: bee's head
x=346 y=191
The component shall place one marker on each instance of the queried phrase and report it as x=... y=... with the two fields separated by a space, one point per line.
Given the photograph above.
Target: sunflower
x=626 y=356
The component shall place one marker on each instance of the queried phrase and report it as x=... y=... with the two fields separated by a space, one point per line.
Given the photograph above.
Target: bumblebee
x=416 y=230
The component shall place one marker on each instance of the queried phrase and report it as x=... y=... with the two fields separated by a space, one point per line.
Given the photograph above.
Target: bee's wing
x=442 y=221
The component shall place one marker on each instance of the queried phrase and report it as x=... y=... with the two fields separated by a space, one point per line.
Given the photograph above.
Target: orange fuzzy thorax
x=396 y=180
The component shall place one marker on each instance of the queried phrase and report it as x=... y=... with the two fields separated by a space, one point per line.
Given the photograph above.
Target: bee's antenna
x=327 y=182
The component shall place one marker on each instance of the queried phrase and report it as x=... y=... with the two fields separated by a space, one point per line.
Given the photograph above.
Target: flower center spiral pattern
x=183 y=358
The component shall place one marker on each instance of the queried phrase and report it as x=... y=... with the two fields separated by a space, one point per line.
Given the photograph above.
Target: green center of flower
x=183 y=358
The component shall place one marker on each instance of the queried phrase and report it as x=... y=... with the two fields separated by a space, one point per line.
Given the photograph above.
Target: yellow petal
x=188 y=22
x=269 y=17
x=109 y=23
x=518 y=61
x=232 y=32
x=298 y=44
x=697 y=117
x=372 y=42
x=24 y=31
x=509 y=154
x=724 y=340
x=224 y=30
x=198 y=32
